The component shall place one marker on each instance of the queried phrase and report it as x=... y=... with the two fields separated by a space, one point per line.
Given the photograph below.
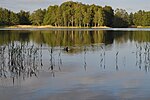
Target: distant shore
x=143 y=26
x=46 y=26
x=49 y=26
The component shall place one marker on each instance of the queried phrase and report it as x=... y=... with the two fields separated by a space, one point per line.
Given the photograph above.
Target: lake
x=75 y=64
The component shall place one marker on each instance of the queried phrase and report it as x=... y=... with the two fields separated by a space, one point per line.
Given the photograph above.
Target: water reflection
x=64 y=38
x=52 y=62
x=117 y=60
x=142 y=55
x=19 y=60
x=85 y=64
x=24 y=54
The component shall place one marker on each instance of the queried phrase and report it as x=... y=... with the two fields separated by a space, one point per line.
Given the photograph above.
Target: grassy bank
x=143 y=26
x=47 y=26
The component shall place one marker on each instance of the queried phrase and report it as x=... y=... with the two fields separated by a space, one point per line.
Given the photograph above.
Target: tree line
x=76 y=14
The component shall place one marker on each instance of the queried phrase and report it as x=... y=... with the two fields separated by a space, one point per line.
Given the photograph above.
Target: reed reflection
x=19 y=60
x=143 y=56
x=22 y=52
x=52 y=62
x=85 y=63
x=117 y=60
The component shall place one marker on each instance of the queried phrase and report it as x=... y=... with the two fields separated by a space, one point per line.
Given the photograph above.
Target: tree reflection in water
x=21 y=52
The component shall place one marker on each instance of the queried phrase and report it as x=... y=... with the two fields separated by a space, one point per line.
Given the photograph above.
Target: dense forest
x=77 y=15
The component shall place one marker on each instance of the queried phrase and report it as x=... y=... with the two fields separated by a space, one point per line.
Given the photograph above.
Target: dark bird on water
x=66 y=49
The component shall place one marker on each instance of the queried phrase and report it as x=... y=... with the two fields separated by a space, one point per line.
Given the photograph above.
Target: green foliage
x=50 y=16
x=131 y=17
x=37 y=17
x=99 y=17
x=142 y=18
x=109 y=15
x=4 y=17
x=86 y=16
x=79 y=15
x=8 y=17
x=146 y=19
x=24 y=17
x=14 y=20
x=76 y=14
x=138 y=18
x=121 y=18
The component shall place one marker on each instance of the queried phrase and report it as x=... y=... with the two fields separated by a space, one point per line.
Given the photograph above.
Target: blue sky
x=31 y=5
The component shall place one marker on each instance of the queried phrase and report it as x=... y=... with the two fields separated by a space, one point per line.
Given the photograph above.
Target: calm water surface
x=110 y=64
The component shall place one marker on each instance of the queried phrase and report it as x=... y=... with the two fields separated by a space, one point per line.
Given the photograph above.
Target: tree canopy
x=76 y=14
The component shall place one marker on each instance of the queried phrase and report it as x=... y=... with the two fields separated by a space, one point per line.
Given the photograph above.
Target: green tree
x=109 y=15
x=68 y=12
x=146 y=19
x=86 y=16
x=79 y=15
x=37 y=17
x=138 y=18
x=1 y=16
x=93 y=8
x=51 y=15
x=59 y=19
x=121 y=18
x=4 y=16
x=131 y=19
x=14 y=20
x=99 y=17
x=24 y=18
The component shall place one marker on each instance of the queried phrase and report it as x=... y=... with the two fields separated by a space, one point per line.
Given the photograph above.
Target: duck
x=66 y=49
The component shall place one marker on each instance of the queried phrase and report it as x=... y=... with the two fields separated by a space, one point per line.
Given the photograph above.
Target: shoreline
x=45 y=26
x=59 y=27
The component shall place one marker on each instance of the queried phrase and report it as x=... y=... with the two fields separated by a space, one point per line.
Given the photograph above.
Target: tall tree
x=76 y=14
x=59 y=19
x=138 y=18
x=14 y=20
x=4 y=16
x=146 y=19
x=68 y=14
x=99 y=17
x=52 y=15
x=109 y=15
x=37 y=17
x=24 y=18
x=86 y=16
x=131 y=19
x=121 y=18
x=79 y=15
x=93 y=8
